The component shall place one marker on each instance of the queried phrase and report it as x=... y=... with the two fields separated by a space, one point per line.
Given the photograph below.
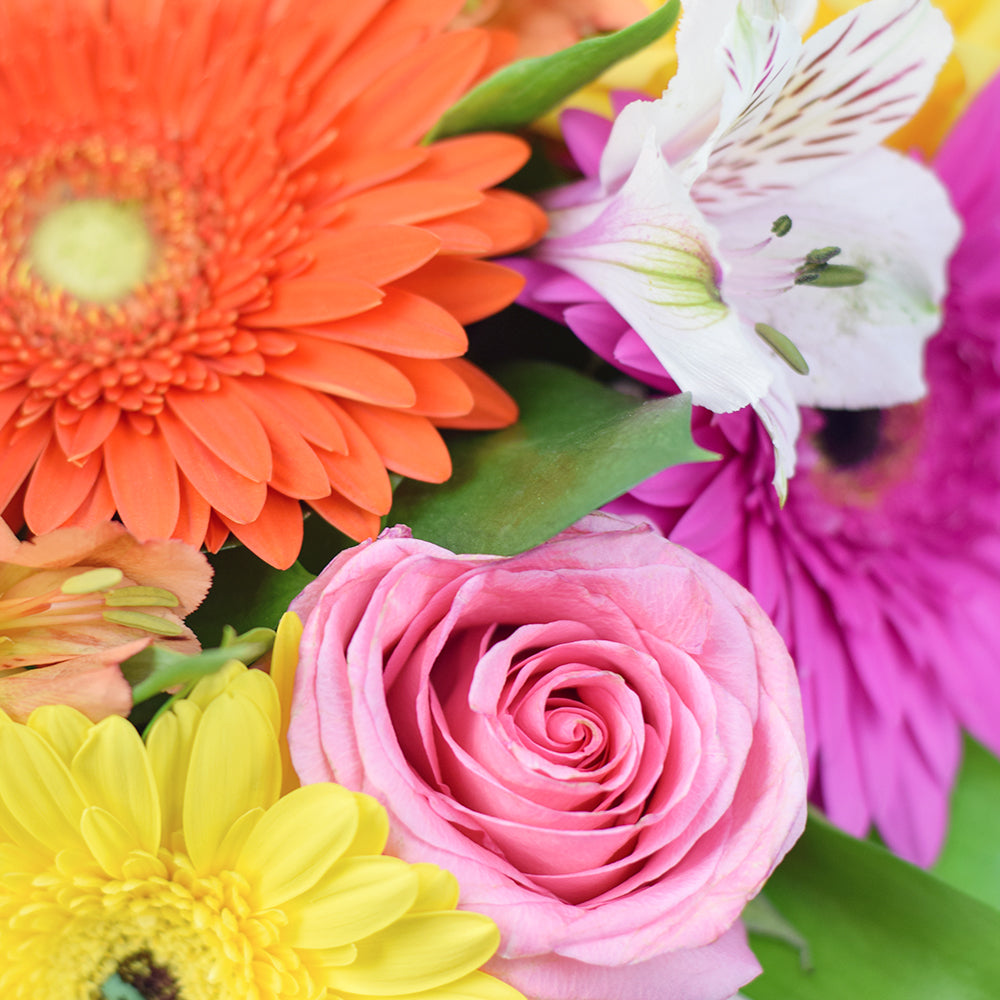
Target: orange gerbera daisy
x=231 y=278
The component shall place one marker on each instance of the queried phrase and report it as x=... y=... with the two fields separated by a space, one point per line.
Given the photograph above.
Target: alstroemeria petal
x=780 y=415
x=649 y=252
x=691 y=109
x=857 y=80
x=864 y=344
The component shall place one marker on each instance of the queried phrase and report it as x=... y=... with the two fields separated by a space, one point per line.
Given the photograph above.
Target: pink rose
x=601 y=738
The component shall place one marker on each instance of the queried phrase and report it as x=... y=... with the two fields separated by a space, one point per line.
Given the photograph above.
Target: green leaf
x=156 y=669
x=970 y=860
x=246 y=592
x=520 y=93
x=761 y=916
x=877 y=927
x=576 y=446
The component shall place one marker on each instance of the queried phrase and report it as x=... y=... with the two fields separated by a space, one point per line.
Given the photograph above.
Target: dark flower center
x=147 y=978
x=850 y=438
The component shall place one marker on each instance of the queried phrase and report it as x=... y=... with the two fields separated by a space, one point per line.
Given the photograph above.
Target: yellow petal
x=212 y=685
x=43 y=803
x=299 y=838
x=373 y=826
x=113 y=771
x=417 y=953
x=168 y=744
x=108 y=839
x=358 y=897
x=62 y=727
x=474 y=986
x=284 y=662
x=235 y=766
x=438 y=889
x=232 y=845
x=260 y=689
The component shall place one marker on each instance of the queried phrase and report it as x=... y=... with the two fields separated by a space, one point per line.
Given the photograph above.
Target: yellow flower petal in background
x=176 y=859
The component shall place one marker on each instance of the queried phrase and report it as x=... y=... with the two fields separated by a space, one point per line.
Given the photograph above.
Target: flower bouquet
x=499 y=500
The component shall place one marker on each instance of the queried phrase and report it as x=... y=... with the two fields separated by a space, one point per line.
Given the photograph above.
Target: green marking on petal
x=140 y=620
x=96 y=249
x=783 y=347
x=92 y=581
x=136 y=597
x=680 y=279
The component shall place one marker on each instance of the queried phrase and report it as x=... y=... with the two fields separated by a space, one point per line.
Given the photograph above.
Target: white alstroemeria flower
x=686 y=230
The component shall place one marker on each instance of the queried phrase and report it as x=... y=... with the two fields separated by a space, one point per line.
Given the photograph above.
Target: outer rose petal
x=412 y=664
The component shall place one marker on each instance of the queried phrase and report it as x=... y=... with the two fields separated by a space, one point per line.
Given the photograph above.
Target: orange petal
x=239 y=498
x=407 y=99
x=407 y=202
x=297 y=471
x=313 y=300
x=351 y=520
x=11 y=399
x=93 y=684
x=433 y=14
x=343 y=370
x=143 y=477
x=457 y=237
x=508 y=221
x=404 y=324
x=469 y=289
x=480 y=160
x=58 y=488
x=99 y=506
x=493 y=408
x=357 y=172
x=276 y=535
x=406 y=444
x=192 y=522
x=373 y=254
x=226 y=426
x=359 y=475
x=303 y=409
x=216 y=533
x=441 y=392
x=20 y=448
x=89 y=432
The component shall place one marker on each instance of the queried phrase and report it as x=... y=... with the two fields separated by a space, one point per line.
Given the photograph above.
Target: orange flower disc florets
x=231 y=278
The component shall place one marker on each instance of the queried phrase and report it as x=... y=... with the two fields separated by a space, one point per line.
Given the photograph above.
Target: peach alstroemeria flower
x=77 y=602
x=546 y=26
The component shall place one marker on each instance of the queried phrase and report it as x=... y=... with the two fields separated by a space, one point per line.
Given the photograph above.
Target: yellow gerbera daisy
x=176 y=866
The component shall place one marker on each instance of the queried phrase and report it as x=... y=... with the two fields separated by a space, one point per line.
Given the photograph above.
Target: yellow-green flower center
x=98 y=250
